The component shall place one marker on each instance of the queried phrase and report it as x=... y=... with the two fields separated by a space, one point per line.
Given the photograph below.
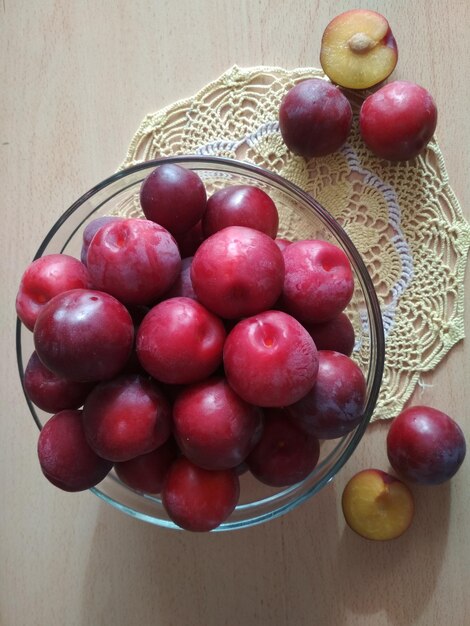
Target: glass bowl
x=300 y=217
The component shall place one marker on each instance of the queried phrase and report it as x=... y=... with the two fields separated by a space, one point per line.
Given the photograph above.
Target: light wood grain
x=77 y=78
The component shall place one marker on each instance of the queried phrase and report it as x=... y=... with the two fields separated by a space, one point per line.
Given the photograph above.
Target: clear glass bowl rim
x=377 y=331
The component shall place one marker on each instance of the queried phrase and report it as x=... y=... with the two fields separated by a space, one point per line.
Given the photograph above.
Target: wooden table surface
x=77 y=78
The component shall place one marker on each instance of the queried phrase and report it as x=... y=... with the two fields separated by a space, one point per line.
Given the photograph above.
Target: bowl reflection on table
x=300 y=217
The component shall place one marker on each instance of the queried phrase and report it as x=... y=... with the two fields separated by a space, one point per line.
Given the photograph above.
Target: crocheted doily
x=403 y=217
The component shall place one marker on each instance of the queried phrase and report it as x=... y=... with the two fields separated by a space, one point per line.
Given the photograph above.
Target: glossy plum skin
x=318 y=283
x=425 y=445
x=270 y=359
x=91 y=229
x=240 y=205
x=337 y=334
x=50 y=392
x=197 y=499
x=285 y=455
x=84 y=335
x=214 y=427
x=335 y=405
x=134 y=260
x=180 y=341
x=315 y=118
x=397 y=121
x=173 y=197
x=237 y=272
x=147 y=472
x=65 y=457
x=45 y=278
x=126 y=417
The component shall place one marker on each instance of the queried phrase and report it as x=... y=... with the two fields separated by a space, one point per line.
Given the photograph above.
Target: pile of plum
x=184 y=373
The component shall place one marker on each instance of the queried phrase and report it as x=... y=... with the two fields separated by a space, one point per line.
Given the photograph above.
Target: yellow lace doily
x=403 y=217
